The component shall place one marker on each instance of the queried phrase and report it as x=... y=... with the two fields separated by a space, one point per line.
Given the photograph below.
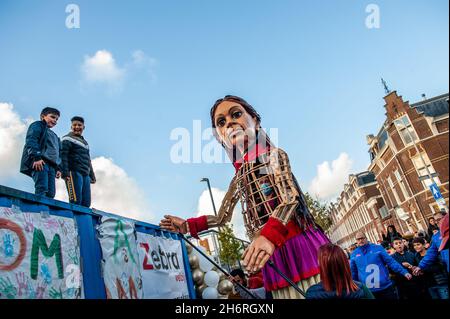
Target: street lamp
x=216 y=245
x=205 y=179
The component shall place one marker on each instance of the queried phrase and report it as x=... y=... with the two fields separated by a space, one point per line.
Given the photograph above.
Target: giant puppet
x=276 y=216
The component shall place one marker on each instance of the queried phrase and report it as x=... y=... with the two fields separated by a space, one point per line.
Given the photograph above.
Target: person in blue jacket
x=438 y=248
x=369 y=264
x=41 y=158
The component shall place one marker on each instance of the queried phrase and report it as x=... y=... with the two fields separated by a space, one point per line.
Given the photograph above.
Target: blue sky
x=311 y=68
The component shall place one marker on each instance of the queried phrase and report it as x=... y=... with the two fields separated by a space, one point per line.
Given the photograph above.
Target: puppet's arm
x=275 y=229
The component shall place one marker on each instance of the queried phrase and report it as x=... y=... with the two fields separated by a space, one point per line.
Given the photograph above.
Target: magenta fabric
x=297 y=259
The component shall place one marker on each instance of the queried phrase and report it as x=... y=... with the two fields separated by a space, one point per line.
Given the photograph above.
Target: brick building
x=411 y=146
x=360 y=207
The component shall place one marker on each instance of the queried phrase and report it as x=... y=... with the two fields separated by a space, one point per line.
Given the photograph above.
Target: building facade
x=360 y=207
x=410 y=152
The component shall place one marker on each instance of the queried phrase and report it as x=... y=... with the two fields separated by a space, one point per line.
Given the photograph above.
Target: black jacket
x=35 y=141
x=75 y=156
x=318 y=292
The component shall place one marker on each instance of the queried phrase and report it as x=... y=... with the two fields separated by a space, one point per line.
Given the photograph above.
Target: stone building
x=360 y=207
x=409 y=153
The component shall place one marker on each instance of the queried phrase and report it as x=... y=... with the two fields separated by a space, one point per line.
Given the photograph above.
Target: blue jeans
x=438 y=292
x=82 y=188
x=44 y=181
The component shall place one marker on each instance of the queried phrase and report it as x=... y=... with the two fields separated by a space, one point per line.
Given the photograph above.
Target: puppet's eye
x=220 y=122
x=237 y=114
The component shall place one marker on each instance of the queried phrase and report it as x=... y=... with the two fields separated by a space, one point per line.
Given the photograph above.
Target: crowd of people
x=409 y=269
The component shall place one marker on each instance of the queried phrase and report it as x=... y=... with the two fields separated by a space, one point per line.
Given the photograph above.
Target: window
x=384 y=212
x=401 y=182
x=406 y=130
x=391 y=185
x=422 y=170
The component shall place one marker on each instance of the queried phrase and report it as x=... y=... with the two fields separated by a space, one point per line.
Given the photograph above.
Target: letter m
x=40 y=244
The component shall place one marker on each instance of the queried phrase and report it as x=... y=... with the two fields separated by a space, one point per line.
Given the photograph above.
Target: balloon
x=188 y=248
x=222 y=276
x=211 y=278
x=197 y=276
x=225 y=287
x=199 y=289
x=193 y=261
x=210 y=293
x=205 y=264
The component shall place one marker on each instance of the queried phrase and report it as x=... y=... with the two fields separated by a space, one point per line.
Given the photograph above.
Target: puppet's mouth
x=235 y=132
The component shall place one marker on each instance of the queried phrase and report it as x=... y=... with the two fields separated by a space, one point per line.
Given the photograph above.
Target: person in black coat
x=392 y=233
x=76 y=164
x=41 y=154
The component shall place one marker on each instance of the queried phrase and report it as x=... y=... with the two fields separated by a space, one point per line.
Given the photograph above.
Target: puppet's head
x=237 y=126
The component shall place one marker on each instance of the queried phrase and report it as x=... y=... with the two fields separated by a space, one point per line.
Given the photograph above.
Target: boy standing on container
x=76 y=164
x=41 y=154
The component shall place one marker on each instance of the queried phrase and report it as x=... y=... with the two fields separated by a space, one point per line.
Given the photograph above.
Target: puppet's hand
x=258 y=253
x=173 y=223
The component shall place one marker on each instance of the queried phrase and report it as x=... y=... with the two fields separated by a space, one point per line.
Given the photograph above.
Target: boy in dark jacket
x=407 y=289
x=77 y=168
x=41 y=154
x=435 y=277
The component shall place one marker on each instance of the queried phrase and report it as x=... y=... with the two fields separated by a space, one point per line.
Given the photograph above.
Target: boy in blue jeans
x=41 y=154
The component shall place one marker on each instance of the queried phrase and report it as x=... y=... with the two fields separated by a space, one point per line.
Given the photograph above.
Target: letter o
x=7 y=224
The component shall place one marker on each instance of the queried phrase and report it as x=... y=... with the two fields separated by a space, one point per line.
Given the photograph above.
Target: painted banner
x=39 y=256
x=120 y=259
x=162 y=268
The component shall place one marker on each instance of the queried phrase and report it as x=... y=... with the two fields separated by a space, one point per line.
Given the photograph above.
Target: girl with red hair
x=336 y=277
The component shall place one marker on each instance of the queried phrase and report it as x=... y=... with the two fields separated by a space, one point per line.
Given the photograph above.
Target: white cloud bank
x=115 y=191
x=330 y=179
x=205 y=208
x=12 y=137
x=101 y=68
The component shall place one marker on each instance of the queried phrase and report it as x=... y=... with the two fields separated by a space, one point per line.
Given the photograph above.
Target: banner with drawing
x=162 y=268
x=120 y=259
x=39 y=256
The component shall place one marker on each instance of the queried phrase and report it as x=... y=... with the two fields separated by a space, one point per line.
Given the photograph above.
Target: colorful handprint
x=46 y=274
x=8 y=245
x=7 y=289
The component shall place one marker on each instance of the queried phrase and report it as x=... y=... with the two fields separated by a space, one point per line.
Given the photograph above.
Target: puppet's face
x=235 y=127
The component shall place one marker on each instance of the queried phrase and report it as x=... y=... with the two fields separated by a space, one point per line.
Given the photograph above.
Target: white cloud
x=205 y=208
x=114 y=192
x=145 y=63
x=330 y=180
x=102 y=68
x=12 y=138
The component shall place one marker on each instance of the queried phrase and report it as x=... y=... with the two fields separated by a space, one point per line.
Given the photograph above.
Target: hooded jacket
x=369 y=265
